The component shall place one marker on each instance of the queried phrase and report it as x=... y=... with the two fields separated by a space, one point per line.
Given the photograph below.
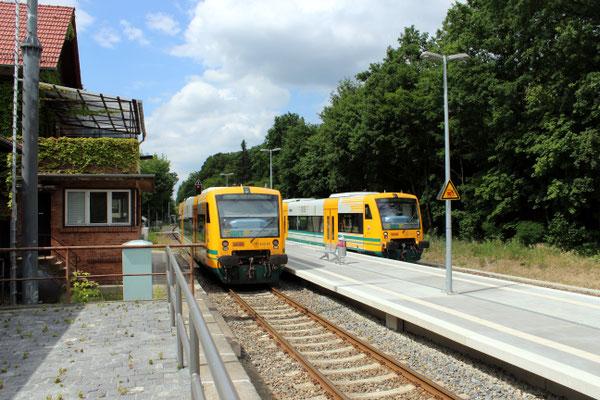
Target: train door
x=369 y=229
x=284 y=209
x=330 y=215
x=201 y=232
x=194 y=236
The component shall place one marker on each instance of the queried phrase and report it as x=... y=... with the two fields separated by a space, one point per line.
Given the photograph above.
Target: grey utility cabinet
x=137 y=261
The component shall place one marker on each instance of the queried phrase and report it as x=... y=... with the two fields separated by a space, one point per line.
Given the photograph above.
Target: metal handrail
x=77 y=257
x=199 y=334
x=68 y=276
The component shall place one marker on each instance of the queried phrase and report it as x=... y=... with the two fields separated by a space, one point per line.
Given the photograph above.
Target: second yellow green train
x=382 y=224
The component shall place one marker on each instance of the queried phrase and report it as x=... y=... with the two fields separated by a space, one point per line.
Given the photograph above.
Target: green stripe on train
x=348 y=236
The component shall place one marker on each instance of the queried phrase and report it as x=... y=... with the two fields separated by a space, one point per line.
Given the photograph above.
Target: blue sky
x=213 y=73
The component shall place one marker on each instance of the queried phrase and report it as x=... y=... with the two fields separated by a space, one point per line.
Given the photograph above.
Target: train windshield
x=398 y=213
x=248 y=215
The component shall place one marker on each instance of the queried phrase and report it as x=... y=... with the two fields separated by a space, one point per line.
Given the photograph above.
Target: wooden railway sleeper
x=325 y=383
x=417 y=379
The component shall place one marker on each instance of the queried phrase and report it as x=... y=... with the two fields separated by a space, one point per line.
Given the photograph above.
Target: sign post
x=447 y=194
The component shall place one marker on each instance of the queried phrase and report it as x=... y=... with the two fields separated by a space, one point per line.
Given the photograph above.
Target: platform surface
x=552 y=333
x=108 y=350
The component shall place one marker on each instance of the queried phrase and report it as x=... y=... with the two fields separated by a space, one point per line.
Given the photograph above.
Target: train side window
x=316 y=224
x=350 y=223
x=368 y=212
x=201 y=228
x=207 y=215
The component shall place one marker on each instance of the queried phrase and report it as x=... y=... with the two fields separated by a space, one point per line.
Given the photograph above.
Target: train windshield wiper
x=262 y=229
x=413 y=218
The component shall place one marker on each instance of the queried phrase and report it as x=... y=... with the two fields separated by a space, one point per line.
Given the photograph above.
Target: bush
x=529 y=232
x=566 y=235
x=83 y=290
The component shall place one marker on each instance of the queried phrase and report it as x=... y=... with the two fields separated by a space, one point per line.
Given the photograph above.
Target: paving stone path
x=101 y=350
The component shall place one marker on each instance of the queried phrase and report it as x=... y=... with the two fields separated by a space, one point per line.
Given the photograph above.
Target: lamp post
x=227 y=178
x=271 y=162
x=427 y=55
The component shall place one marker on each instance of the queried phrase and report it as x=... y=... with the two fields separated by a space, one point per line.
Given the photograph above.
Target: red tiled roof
x=53 y=22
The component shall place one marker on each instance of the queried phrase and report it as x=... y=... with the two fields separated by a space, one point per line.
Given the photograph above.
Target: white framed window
x=97 y=207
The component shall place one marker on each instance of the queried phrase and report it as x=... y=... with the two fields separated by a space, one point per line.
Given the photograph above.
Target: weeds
x=83 y=290
x=159 y=292
x=538 y=261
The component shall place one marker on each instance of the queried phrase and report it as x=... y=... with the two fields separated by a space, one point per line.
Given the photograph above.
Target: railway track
x=343 y=365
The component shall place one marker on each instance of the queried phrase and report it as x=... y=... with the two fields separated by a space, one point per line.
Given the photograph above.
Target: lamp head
x=458 y=56
x=429 y=55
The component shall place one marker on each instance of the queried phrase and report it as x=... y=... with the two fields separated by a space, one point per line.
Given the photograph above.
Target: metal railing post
x=192 y=271
x=179 y=317
x=68 y=277
x=170 y=287
x=194 y=348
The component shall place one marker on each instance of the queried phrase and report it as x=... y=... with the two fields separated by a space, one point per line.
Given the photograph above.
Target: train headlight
x=225 y=245
x=275 y=244
x=385 y=235
x=418 y=234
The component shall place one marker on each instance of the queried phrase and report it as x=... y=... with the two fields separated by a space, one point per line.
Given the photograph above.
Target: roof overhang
x=80 y=113
x=144 y=182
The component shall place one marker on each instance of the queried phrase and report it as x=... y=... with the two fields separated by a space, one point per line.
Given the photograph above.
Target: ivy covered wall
x=88 y=156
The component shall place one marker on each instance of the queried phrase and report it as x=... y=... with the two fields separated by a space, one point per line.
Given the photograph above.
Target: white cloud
x=300 y=42
x=83 y=19
x=133 y=33
x=107 y=37
x=206 y=117
x=255 y=53
x=162 y=22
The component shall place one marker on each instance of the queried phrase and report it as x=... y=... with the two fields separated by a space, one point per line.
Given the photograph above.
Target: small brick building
x=60 y=207
x=90 y=186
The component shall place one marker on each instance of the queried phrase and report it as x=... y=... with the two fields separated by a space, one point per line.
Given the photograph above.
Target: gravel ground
x=284 y=378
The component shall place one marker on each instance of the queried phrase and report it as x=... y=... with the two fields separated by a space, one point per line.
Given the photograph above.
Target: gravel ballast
x=283 y=378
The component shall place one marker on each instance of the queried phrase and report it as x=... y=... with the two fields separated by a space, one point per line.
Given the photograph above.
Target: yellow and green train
x=382 y=224
x=242 y=229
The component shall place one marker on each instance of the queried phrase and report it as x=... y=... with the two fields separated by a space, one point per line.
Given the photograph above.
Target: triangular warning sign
x=448 y=192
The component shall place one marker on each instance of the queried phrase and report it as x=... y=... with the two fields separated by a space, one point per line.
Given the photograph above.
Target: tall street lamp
x=428 y=55
x=227 y=178
x=271 y=162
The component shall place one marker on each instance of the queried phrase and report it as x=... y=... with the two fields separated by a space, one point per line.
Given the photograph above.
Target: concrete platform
x=107 y=350
x=553 y=335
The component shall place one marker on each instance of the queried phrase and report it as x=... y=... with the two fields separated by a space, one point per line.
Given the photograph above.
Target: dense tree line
x=158 y=204
x=524 y=126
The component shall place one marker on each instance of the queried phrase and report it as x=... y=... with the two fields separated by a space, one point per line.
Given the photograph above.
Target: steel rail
x=437 y=391
x=325 y=383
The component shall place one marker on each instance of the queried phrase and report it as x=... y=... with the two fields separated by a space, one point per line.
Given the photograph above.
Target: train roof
x=298 y=199
x=239 y=189
x=351 y=194
x=231 y=189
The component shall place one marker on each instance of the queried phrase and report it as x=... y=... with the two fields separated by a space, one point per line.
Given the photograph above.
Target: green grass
x=152 y=237
x=540 y=262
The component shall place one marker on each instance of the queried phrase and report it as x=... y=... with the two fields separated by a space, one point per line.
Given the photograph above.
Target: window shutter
x=75 y=208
